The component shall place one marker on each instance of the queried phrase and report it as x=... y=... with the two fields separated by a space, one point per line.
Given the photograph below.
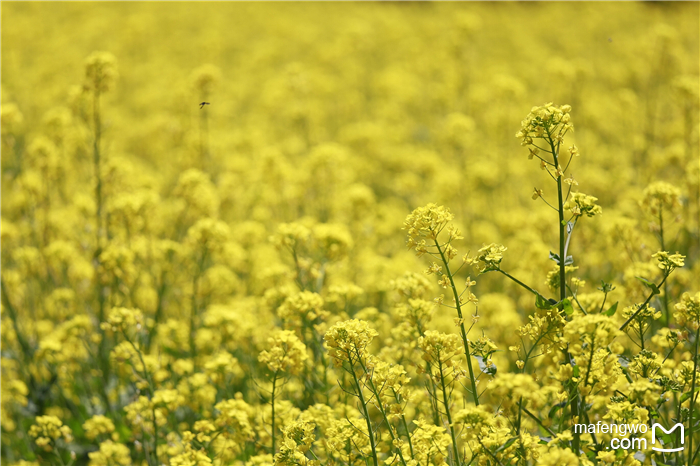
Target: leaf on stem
x=555 y=257
x=650 y=285
x=565 y=305
x=542 y=303
x=611 y=310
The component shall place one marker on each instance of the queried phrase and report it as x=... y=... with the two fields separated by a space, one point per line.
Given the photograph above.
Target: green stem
x=590 y=364
x=538 y=421
x=531 y=290
x=445 y=401
x=27 y=351
x=370 y=434
x=405 y=424
x=433 y=400
x=159 y=311
x=695 y=455
x=562 y=231
x=433 y=396
x=643 y=306
x=463 y=331
x=573 y=396
x=63 y=463
x=408 y=434
x=489 y=452
x=667 y=315
x=272 y=401
x=573 y=295
x=661 y=228
x=194 y=310
x=193 y=314
x=99 y=230
x=380 y=405
x=97 y=161
x=585 y=381
x=532 y=348
x=151 y=388
x=297 y=267
x=692 y=399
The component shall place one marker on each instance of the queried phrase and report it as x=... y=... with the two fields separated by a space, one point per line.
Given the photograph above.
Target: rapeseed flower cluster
x=287 y=353
x=49 y=429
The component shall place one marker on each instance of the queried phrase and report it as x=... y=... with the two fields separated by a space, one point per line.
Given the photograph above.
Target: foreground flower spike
x=542 y=132
x=426 y=222
x=47 y=430
x=101 y=71
x=582 y=204
x=287 y=353
x=348 y=341
x=424 y=226
x=545 y=122
x=488 y=258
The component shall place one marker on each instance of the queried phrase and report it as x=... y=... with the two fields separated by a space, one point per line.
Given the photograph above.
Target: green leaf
x=569 y=260
x=591 y=455
x=645 y=281
x=555 y=408
x=686 y=395
x=123 y=431
x=565 y=305
x=611 y=310
x=554 y=257
x=652 y=286
x=542 y=303
x=507 y=444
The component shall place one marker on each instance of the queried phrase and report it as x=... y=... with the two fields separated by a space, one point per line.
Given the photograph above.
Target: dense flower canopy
x=206 y=208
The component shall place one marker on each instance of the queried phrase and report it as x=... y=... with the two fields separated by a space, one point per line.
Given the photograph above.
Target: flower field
x=358 y=234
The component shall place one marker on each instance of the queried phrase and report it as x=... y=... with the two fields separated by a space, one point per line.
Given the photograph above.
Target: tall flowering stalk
x=424 y=226
x=440 y=349
x=287 y=354
x=688 y=315
x=660 y=197
x=205 y=239
x=100 y=75
x=48 y=433
x=347 y=344
x=542 y=132
x=128 y=323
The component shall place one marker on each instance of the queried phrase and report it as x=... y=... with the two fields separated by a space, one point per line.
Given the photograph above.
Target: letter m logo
x=667 y=432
